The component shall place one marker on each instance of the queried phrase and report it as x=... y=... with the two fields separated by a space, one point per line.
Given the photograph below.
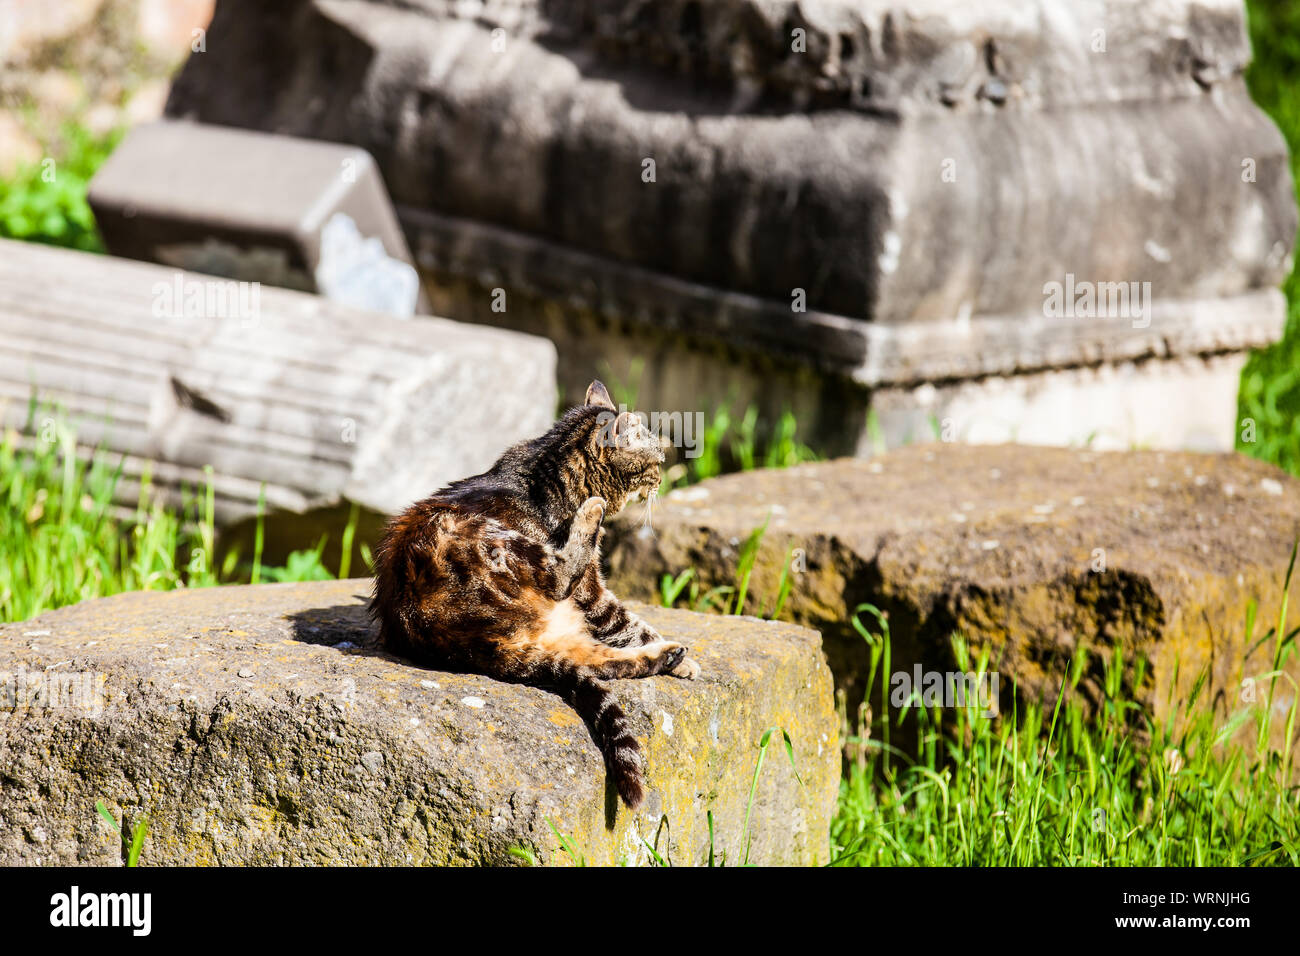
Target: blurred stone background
x=103 y=64
x=931 y=335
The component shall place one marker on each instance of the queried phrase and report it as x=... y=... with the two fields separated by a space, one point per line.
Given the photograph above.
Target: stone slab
x=1031 y=552
x=823 y=205
x=921 y=221
x=325 y=404
x=260 y=725
x=295 y=213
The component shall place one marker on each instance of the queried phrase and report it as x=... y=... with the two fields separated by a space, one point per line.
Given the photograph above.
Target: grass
x=729 y=441
x=1270 y=383
x=135 y=845
x=726 y=598
x=741 y=443
x=1067 y=787
x=1064 y=786
x=46 y=201
x=746 y=838
x=62 y=540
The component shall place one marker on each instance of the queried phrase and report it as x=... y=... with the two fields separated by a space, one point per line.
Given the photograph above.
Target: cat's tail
x=595 y=704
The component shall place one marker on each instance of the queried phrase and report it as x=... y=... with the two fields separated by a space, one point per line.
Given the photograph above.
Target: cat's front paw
x=687 y=669
x=587 y=521
x=664 y=657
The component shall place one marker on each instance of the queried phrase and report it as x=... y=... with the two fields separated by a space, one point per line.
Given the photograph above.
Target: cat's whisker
x=647 y=519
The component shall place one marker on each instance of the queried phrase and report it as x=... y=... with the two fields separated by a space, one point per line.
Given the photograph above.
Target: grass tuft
x=63 y=540
x=1068 y=787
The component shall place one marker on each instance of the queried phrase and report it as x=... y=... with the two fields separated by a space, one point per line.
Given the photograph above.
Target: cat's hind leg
x=558 y=649
x=613 y=624
x=562 y=633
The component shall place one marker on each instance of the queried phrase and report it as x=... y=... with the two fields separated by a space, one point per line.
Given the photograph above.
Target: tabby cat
x=500 y=574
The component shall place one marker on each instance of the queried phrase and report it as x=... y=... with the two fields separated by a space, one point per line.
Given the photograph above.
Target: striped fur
x=500 y=574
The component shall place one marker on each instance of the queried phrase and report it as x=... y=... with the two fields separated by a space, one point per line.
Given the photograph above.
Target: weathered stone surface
x=902 y=56
x=326 y=404
x=762 y=201
x=1187 y=402
x=295 y=213
x=1003 y=543
x=911 y=180
x=259 y=725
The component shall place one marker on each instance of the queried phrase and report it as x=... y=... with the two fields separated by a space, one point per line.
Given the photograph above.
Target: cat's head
x=626 y=455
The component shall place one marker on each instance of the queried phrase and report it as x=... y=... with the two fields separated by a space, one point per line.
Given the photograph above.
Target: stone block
x=261 y=725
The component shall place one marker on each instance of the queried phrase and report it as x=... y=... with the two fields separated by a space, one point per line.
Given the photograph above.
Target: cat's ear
x=598 y=394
